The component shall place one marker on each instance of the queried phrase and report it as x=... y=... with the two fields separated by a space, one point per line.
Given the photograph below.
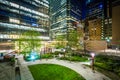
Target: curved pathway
x=76 y=66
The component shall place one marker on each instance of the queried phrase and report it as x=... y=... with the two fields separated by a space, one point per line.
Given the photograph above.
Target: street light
x=116 y=50
x=92 y=64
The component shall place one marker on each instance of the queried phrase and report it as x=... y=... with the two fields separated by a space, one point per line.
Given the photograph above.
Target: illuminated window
x=45 y=1
x=4 y=2
x=24 y=8
x=14 y=5
x=14 y=10
x=14 y=20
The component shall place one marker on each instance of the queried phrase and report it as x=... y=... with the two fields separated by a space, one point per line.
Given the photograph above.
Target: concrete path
x=24 y=71
x=7 y=72
x=76 y=66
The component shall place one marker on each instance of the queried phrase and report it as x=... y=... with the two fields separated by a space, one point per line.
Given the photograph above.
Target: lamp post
x=92 y=64
x=116 y=50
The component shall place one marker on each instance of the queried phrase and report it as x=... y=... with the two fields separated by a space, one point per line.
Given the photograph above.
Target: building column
x=116 y=24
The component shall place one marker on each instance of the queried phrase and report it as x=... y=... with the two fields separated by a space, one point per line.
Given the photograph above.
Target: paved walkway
x=76 y=66
x=7 y=72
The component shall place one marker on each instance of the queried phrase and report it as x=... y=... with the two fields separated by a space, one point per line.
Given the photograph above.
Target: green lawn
x=53 y=72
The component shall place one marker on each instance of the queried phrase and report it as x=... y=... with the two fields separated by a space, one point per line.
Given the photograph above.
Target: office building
x=64 y=15
x=95 y=29
x=17 y=16
x=100 y=10
x=116 y=22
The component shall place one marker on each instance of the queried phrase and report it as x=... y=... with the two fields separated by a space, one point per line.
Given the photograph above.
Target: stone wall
x=95 y=45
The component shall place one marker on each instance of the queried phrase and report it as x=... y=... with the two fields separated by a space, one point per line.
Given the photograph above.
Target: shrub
x=74 y=58
x=56 y=53
x=46 y=56
x=110 y=63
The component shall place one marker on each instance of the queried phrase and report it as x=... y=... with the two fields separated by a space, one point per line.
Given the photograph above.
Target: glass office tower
x=64 y=15
x=17 y=16
x=101 y=9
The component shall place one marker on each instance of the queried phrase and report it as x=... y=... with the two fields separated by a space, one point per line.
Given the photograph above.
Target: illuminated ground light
x=32 y=56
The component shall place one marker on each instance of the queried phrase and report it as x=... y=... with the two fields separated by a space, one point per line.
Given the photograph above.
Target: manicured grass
x=53 y=72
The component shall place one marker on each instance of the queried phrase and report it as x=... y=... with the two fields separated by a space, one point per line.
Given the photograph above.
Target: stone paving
x=24 y=71
x=76 y=66
x=7 y=72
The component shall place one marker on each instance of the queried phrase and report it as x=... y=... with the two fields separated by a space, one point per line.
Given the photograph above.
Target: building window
x=14 y=20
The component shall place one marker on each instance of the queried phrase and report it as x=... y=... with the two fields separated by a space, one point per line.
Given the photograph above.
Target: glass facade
x=101 y=9
x=95 y=9
x=64 y=14
x=17 y=16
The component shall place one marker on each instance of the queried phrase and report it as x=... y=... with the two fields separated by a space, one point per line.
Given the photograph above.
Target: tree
x=61 y=43
x=73 y=38
x=29 y=41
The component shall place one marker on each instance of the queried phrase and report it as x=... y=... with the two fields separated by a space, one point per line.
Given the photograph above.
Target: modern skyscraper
x=65 y=15
x=100 y=10
x=17 y=16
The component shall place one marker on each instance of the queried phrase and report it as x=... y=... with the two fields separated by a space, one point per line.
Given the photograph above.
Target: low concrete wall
x=95 y=45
